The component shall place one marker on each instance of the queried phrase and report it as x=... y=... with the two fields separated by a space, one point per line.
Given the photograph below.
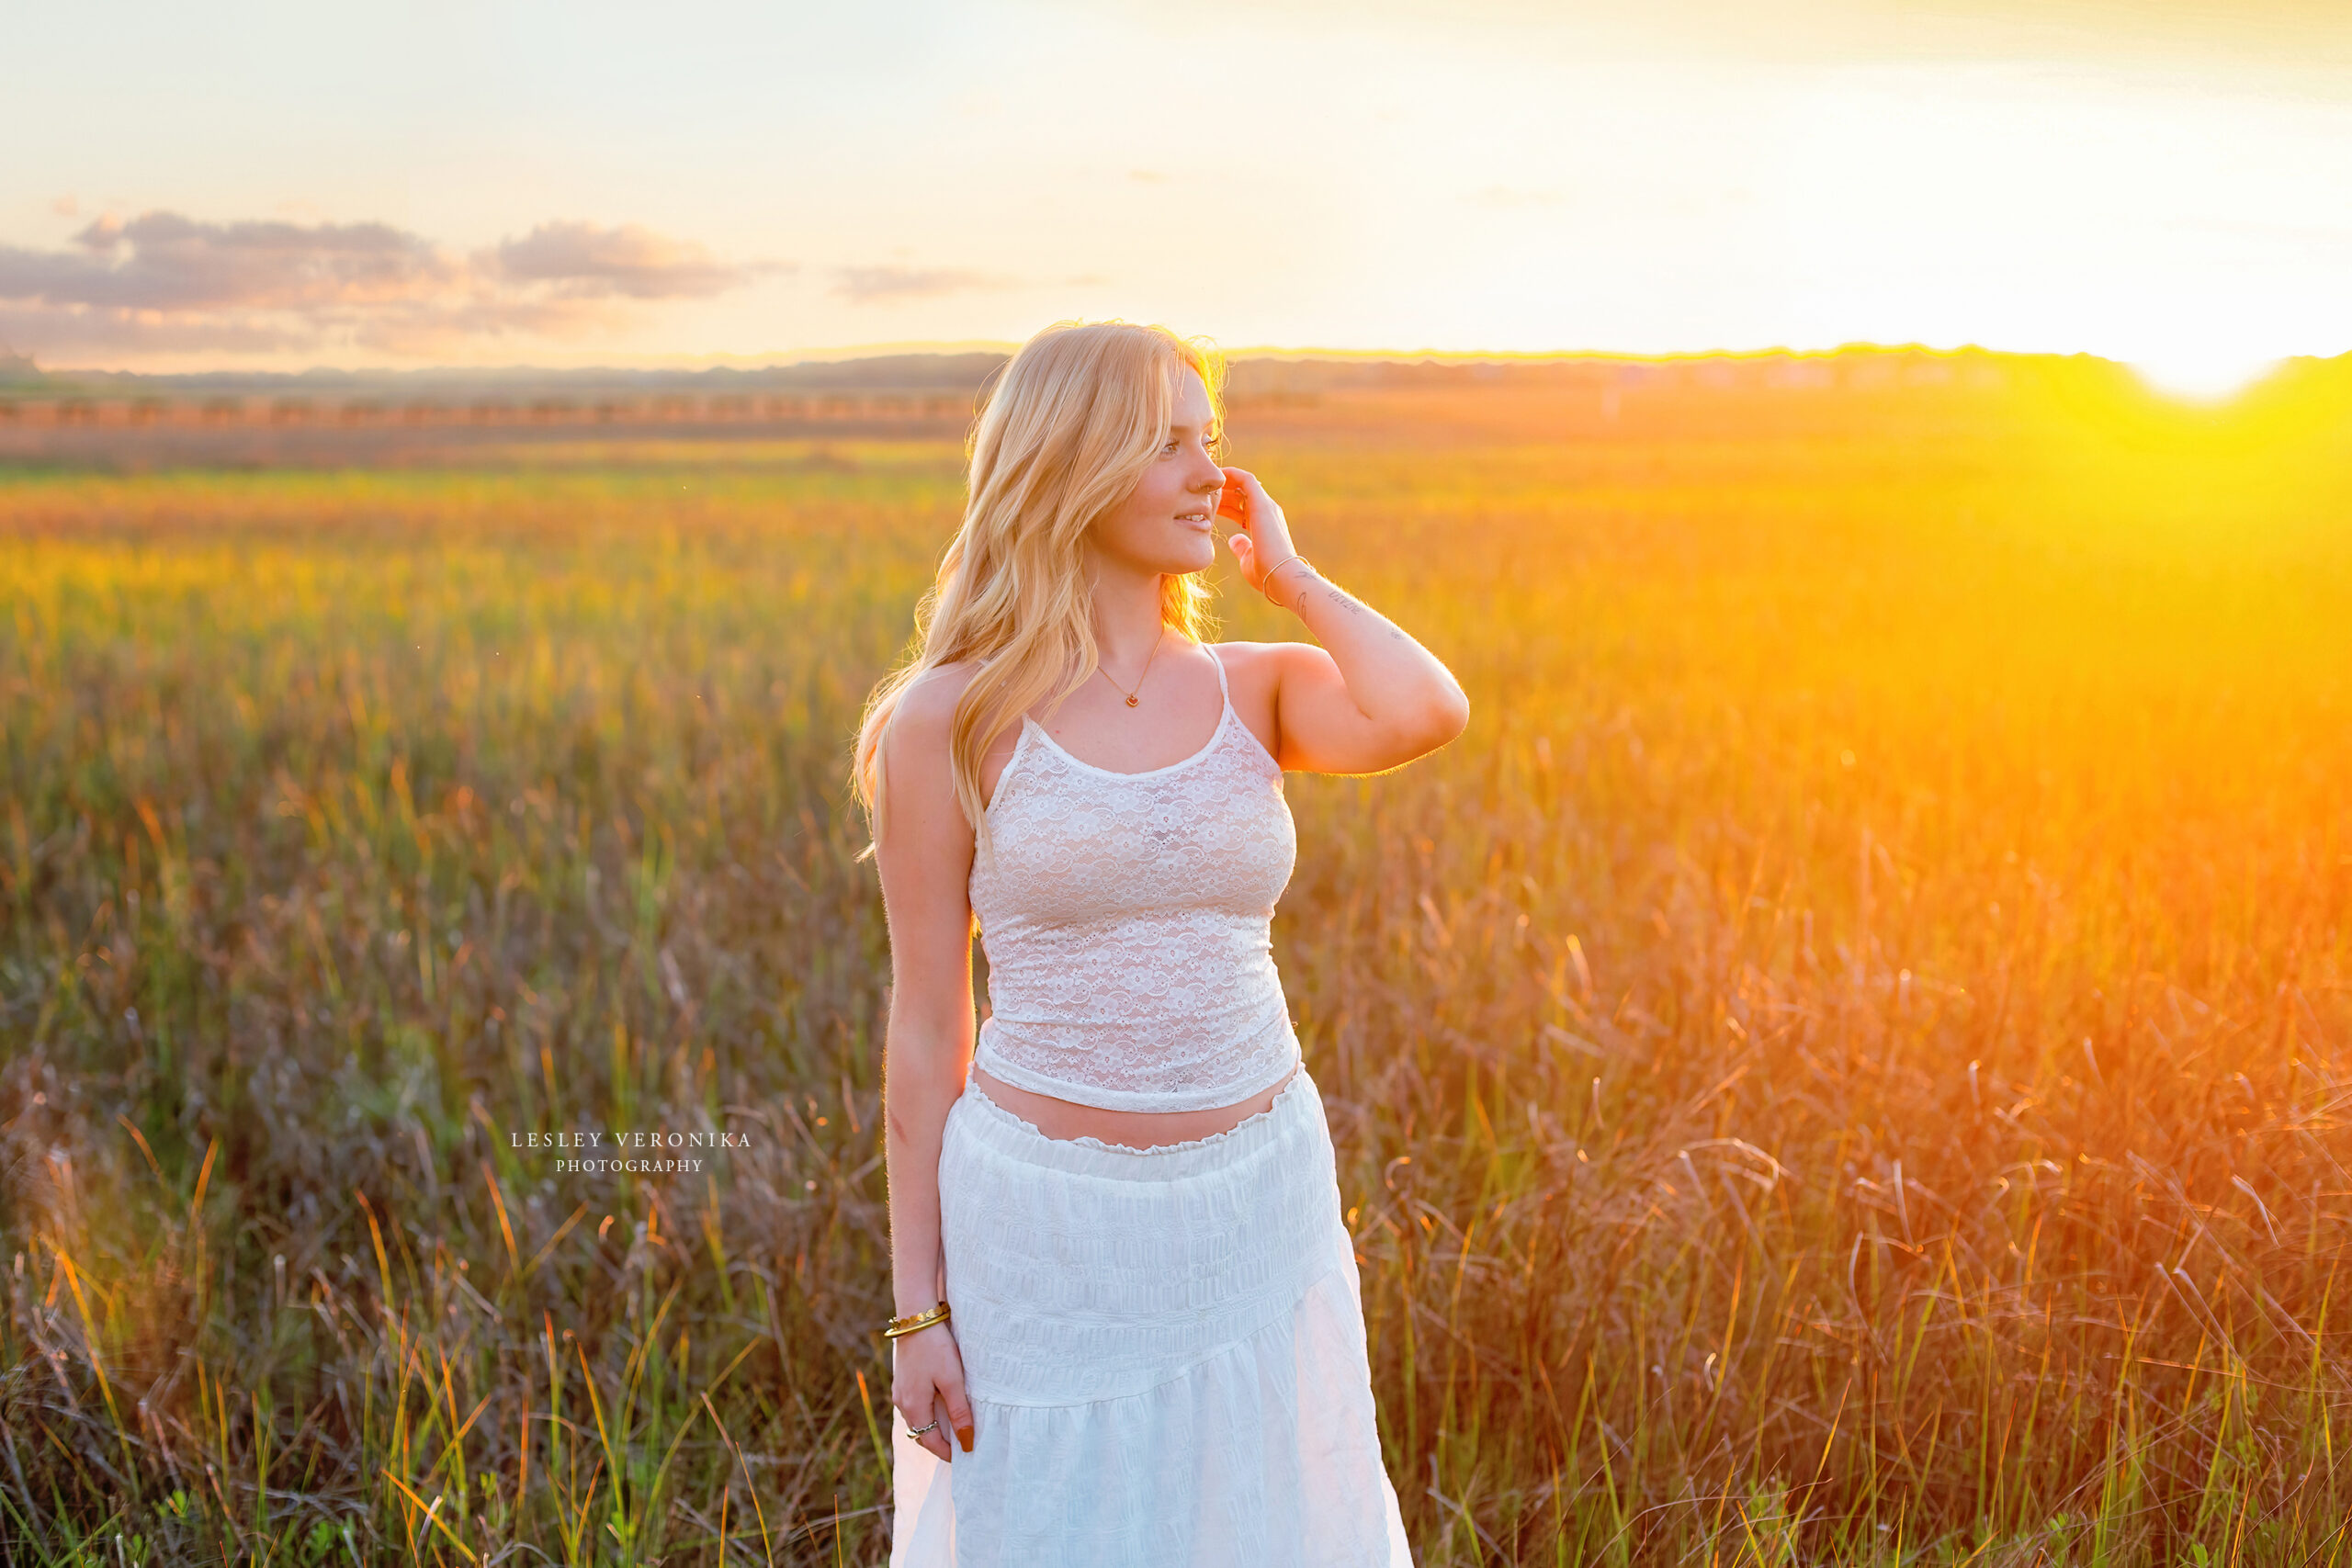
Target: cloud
x=586 y=261
x=160 y=260
x=889 y=285
x=167 y=284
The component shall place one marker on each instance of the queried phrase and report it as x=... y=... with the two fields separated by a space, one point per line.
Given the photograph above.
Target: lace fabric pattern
x=1127 y=921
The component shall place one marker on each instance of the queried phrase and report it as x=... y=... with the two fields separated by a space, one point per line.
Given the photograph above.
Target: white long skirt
x=1164 y=1349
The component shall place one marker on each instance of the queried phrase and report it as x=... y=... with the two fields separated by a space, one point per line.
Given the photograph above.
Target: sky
x=279 y=185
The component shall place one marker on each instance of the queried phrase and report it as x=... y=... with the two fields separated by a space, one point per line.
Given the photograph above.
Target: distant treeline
x=968 y=373
x=903 y=390
x=916 y=373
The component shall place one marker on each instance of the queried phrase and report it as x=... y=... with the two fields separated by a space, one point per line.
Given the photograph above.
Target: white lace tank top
x=1125 y=916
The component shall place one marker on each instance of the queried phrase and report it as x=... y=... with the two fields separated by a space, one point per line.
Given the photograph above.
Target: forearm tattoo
x=1354 y=606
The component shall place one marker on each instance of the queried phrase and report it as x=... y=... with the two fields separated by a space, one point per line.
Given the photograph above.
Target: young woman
x=1126 y=1290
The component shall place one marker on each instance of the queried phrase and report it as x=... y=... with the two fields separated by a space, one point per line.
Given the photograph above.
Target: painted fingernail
x=964 y=1436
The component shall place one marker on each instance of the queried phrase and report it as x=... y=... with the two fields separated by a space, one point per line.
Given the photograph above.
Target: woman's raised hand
x=927 y=1385
x=1263 y=539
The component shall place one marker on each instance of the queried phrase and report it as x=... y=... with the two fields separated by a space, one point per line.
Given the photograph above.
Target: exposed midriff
x=1131 y=1129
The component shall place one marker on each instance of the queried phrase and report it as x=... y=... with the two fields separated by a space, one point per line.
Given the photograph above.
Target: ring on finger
x=918 y=1431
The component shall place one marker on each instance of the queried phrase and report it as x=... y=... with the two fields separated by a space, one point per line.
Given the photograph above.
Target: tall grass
x=1844 y=1062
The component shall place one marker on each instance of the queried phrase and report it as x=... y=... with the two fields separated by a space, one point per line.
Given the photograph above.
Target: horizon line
x=845 y=354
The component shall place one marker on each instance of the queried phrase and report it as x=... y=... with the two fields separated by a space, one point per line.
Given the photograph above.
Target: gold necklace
x=1132 y=698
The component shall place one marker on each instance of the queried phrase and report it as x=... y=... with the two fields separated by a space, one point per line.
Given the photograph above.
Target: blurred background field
x=1844 y=1061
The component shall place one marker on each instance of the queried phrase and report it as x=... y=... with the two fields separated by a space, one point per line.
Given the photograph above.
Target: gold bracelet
x=908 y=1325
x=1293 y=556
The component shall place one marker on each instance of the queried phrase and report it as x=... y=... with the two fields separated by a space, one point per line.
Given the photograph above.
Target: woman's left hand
x=1263 y=539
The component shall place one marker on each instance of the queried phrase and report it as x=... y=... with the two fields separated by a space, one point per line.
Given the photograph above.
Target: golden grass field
x=1846 y=1061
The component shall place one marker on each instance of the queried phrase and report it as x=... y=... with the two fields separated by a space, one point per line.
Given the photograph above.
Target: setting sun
x=2206 y=376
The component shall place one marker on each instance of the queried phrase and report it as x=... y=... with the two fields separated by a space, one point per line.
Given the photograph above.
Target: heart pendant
x=1131 y=702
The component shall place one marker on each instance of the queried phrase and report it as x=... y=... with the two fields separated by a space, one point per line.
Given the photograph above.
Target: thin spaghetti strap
x=1019 y=750
x=1226 y=690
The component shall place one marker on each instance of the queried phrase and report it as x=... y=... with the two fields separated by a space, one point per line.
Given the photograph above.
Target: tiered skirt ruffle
x=1164 y=1349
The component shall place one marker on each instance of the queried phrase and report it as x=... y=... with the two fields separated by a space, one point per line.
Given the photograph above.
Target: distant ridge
x=965 y=371
x=885 y=372
x=927 y=377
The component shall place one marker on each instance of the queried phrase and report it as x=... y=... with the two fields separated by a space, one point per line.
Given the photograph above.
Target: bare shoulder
x=1253 y=675
x=1261 y=665
x=932 y=695
x=924 y=724
x=1296 y=698
x=1253 y=660
x=1245 y=664
x=926 y=708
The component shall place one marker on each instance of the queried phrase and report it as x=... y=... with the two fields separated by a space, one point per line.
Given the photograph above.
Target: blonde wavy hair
x=1067 y=430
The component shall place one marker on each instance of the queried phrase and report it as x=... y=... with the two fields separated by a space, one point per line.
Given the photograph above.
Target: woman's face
x=1168 y=522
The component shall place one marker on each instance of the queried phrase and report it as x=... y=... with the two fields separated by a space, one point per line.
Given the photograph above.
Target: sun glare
x=2202 y=375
